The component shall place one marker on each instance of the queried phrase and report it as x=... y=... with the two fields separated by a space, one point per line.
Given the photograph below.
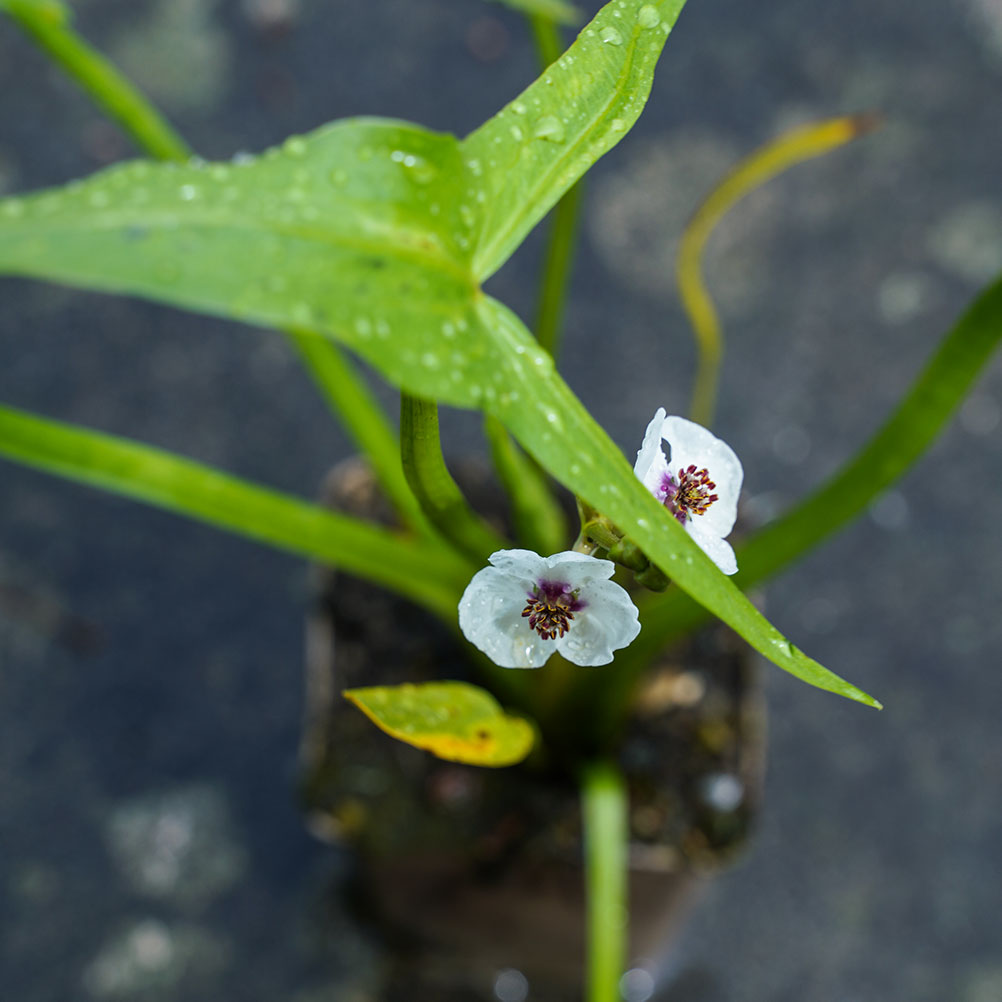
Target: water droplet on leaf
x=648 y=17
x=610 y=35
x=550 y=128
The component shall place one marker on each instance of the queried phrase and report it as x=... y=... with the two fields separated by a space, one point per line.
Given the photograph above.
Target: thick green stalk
x=440 y=498
x=605 y=813
x=49 y=24
x=417 y=568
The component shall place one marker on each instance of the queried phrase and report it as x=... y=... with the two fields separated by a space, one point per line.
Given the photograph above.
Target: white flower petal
x=490 y=616
x=490 y=611
x=607 y=623
x=524 y=563
x=578 y=569
x=693 y=444
x=651 y=464
x=717 y=549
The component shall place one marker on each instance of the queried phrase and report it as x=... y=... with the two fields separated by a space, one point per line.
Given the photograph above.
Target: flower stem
x=604 y=808
x=440 y=498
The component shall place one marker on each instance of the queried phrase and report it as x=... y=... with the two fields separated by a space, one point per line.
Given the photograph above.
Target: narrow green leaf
x=559 y=11
x=898 y=444
x=534 y=149
x=552 y=424
x=453 y=720
x=419 y=569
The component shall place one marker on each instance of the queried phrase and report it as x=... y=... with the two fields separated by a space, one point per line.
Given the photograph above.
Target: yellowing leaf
x=453 y=720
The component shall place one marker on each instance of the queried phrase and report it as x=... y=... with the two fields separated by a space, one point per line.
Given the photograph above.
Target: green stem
x=557 y=270
x=419 y=569
x=440 y=498
x=546 y=34
x=605 y=810
x=49 y=24
x=539 y=520
x=349 y=398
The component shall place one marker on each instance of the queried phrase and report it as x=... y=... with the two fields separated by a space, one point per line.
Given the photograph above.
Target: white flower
x=524 y=607
x=700 y=486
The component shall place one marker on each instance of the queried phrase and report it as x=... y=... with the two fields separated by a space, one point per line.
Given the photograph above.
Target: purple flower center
x=689 y=493
x=550 y=608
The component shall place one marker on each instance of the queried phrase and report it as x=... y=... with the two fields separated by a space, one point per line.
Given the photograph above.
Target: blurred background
x=150 y=669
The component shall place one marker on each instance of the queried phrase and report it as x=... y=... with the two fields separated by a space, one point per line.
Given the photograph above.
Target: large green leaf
x=356 y=230
x=365 y=231
x=533 y=150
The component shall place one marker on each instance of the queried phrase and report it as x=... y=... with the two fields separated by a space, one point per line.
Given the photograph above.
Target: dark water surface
x=150 y=669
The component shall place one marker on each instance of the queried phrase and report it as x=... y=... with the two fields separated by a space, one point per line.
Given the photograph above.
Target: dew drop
x=617 y=125
x=448 y=330
x=363 y=328
x=610 y=35
x=242 y=158
x=12 y=209
x=550 y=128
x=295 y=146
x=518 y=107
x=648 y=17
x=467 y=215
x=516 y=133
x=219 y=172
x=430 y=360
x=188 y=192
x=475 y=167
